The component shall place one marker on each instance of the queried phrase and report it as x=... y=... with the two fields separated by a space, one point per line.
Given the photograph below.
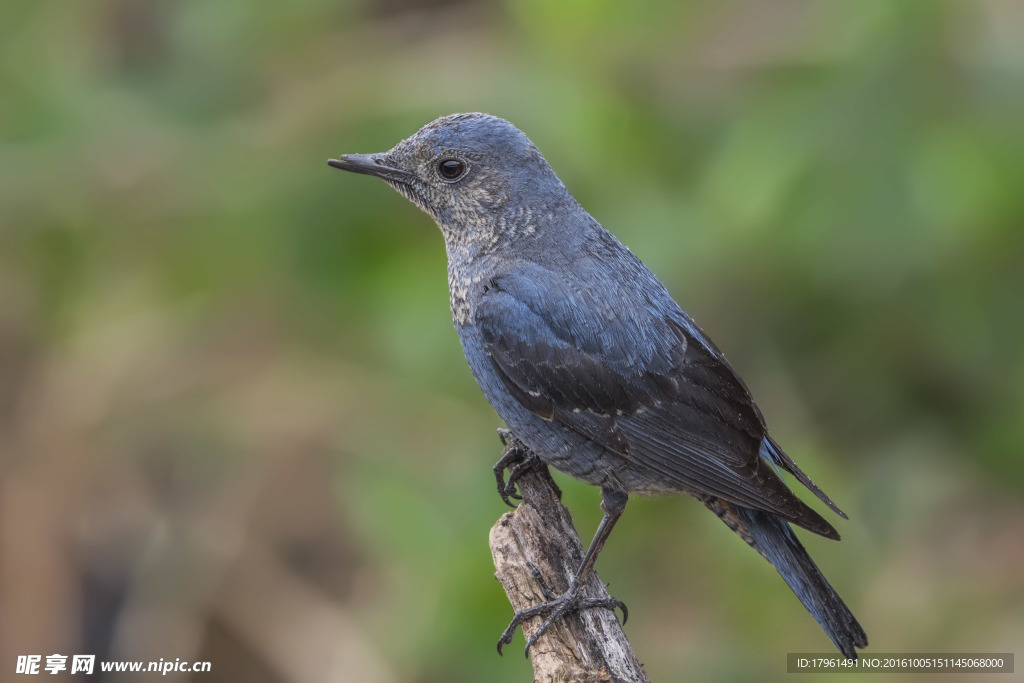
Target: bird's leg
x=516 y=458
x=539 y=578
x=613 y=503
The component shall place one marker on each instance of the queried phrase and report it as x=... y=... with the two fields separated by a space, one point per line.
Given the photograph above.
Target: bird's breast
x=468 y=274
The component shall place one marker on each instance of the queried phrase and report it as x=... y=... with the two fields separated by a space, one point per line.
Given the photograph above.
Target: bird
x=590 y=362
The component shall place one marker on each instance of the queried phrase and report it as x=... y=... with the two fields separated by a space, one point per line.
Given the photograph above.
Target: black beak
x=367 y=164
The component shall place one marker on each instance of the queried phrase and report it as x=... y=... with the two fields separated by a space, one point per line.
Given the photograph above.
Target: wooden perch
x=536 y=552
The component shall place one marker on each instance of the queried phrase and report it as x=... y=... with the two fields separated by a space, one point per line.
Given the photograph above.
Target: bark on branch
x=536 y=551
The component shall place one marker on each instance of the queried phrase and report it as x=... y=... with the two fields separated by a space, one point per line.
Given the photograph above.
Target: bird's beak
x=367 y=164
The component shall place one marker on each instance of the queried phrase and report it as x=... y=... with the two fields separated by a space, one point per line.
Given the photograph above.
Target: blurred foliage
x=235 y=421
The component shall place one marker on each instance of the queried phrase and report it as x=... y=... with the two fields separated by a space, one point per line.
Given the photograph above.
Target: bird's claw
x=554 y=609
x=516 y=458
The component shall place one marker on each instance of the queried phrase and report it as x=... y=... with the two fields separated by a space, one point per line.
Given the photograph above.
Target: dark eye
x=451 y=169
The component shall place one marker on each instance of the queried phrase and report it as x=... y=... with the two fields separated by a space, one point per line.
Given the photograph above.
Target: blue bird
x=591 y=363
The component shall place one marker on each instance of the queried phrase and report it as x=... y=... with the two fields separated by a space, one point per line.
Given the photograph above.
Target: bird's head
x=470 y=172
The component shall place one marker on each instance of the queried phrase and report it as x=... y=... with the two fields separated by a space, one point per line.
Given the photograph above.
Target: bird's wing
x=649 y=387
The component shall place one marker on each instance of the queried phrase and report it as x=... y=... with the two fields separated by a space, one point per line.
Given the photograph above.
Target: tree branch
x=536 y=552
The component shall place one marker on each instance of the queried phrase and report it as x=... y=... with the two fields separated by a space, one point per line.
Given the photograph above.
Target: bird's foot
x=516 y=458
x=554 y=609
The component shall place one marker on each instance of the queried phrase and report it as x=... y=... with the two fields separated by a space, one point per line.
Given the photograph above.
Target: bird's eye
x=450 y=169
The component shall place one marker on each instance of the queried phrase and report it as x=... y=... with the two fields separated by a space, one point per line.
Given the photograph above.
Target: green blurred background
x=235 y=420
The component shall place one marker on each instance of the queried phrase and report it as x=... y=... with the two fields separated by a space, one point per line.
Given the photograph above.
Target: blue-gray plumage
x=588 y=359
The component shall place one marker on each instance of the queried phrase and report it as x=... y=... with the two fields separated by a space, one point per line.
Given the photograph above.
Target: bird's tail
x=775 y=541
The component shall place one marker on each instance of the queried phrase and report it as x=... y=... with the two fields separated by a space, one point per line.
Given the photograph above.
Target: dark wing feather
x=654 y=390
